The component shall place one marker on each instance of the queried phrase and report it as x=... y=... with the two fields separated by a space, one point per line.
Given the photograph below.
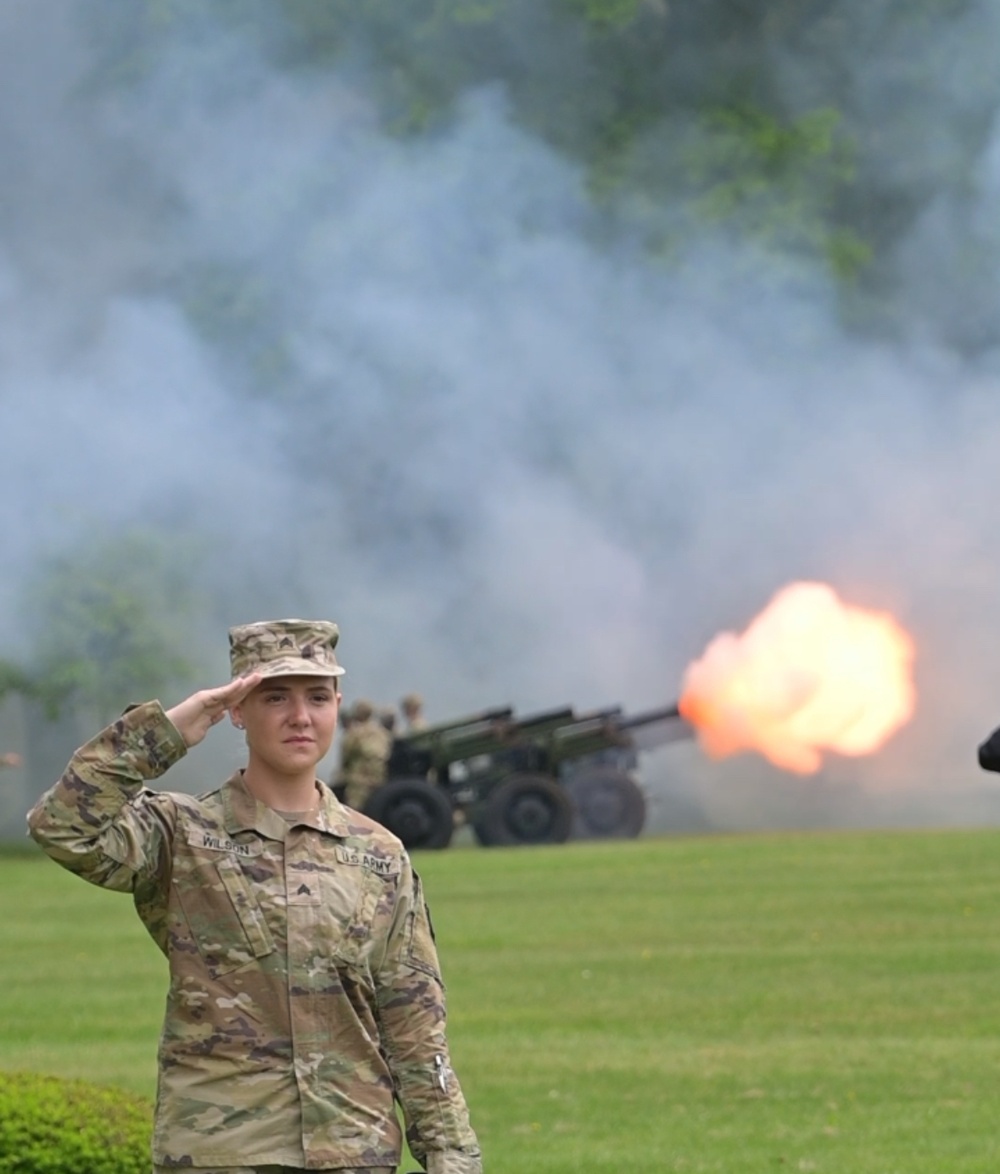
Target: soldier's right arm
x=100 y=820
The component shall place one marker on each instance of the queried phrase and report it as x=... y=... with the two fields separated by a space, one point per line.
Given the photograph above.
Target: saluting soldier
x=305 y=993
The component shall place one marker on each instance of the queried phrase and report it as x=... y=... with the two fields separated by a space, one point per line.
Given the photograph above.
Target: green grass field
x=798 y=1002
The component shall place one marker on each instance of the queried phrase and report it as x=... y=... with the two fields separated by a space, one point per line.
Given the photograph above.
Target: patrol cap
x=285 y=648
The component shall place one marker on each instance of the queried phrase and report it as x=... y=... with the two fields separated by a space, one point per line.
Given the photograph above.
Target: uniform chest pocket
x=222 y=913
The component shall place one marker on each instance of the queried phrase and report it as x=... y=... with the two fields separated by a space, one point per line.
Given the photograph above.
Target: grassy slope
x=823 y=1002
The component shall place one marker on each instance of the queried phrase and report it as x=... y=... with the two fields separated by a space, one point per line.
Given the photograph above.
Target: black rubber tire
x=607 y=804
x=415 y=810
x=524 y=809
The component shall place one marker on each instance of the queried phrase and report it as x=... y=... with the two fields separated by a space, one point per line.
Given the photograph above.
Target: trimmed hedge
x=54 y=1126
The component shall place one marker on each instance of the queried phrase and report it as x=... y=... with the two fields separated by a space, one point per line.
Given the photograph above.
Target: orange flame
x=809 y=674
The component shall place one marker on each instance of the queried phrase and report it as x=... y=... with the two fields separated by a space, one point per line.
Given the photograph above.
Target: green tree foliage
x=778 y=181
x=54 y=1126
x=612 y=13
x=108 y=624
x=675 y=120
x=14 y=679
x=232 y=307
x=680 y=114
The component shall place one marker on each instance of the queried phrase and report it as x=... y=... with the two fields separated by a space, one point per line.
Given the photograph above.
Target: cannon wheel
x=607 y=804
x=524 y=809
x=415 y=810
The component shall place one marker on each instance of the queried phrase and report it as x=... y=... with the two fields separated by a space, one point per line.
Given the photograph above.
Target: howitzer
x=522 y=780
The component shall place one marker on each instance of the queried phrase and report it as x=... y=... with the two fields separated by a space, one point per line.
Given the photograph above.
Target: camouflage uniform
x=364 y=753
x=305 y=995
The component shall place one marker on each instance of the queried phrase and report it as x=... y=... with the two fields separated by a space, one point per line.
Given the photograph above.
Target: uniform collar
x=244 y=812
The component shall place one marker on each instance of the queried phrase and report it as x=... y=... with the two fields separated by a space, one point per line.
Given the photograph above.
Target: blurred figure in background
x=412 y=706
x=387 y=716
x=364 y=753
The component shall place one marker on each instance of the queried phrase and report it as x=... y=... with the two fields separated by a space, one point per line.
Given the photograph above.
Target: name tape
x=221 y=844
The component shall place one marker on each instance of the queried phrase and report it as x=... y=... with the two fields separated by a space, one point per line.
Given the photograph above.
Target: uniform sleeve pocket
x=420 y=952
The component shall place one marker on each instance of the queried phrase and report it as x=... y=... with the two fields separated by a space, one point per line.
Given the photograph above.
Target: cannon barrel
x=557 y=734
x=469 y=725
x=666 y=713
x=610 y=729
x=436 y=747
x=484 y=733
x=657 y=727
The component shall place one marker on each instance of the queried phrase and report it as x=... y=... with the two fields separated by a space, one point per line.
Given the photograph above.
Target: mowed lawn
x=801 y=1002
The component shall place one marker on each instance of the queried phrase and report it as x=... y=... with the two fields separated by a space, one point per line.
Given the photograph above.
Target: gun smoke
x=518 y=466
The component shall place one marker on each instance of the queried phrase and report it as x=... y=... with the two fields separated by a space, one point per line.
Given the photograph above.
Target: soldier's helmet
x=284 y=648
x=362 y=710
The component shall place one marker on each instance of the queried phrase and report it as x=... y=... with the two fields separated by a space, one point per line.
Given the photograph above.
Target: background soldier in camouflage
x=412 y=706
x=305 y=995
x=364 y=753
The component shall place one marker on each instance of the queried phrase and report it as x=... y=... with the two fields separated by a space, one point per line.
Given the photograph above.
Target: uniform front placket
x=308 y=978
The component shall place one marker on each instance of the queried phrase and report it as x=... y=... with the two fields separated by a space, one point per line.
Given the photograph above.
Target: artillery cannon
x=522 y=780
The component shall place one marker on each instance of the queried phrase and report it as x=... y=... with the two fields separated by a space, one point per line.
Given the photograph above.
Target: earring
x=239 y=725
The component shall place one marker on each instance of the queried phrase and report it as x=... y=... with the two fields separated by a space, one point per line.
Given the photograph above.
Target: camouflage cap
x=285 y=648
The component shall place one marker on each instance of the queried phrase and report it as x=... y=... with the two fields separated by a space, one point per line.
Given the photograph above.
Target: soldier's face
x=290 y=721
